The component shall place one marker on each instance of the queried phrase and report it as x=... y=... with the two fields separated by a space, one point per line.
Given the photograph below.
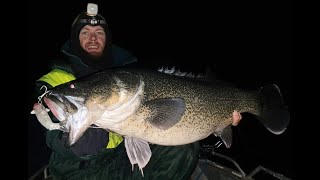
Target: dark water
x=246 y=43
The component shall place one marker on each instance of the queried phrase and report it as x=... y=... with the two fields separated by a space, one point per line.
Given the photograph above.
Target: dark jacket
x=89 y=158
x=74 y=65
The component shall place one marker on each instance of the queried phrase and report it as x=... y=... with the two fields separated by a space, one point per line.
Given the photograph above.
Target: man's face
x=92 y=39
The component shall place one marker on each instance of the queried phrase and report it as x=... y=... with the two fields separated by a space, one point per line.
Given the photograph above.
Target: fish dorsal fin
x=138 y=151
x=177 y=72
x=226 y=136
x=166 y=112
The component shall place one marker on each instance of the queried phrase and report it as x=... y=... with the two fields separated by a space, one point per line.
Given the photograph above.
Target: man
x=99 y=154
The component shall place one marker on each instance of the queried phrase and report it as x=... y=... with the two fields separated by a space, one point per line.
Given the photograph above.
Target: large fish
x=147 y=106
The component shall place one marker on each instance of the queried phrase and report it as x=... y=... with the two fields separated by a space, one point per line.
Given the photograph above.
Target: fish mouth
x=72 y=111
x=60 y=105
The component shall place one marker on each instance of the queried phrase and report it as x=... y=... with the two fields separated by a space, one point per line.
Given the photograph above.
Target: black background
x=248 y=43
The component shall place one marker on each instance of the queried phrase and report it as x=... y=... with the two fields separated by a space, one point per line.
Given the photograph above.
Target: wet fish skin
x=208 y=107
x=152 y=107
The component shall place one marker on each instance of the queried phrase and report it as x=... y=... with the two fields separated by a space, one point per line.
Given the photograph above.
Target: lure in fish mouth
x=43 y=117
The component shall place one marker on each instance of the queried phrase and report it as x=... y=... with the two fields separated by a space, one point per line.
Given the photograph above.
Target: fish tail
x=274 y=114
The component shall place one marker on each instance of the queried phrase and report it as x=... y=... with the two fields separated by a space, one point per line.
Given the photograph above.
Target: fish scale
x=211 y=105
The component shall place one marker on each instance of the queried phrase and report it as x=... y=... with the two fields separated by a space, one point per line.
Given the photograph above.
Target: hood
x=118 y=57
x=79 y=67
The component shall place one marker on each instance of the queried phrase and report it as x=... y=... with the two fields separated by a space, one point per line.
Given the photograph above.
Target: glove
x=90 y=143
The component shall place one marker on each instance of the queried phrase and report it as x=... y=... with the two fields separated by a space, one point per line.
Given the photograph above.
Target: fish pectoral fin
x=166 y=112
x=138 y=152
x=226 y=136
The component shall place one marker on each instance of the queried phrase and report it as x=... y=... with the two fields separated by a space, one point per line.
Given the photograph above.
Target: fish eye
x=72 y=86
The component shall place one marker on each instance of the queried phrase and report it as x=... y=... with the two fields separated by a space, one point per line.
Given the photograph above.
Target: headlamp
x=91 y=17
x=92 y=9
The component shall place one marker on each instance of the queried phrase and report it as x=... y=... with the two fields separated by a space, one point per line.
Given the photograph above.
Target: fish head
x=85 y=102
x=80 y=103
x=71 y=110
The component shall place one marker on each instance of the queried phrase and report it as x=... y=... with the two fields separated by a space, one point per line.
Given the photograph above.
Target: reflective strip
x=114 y=140
x=57 y=77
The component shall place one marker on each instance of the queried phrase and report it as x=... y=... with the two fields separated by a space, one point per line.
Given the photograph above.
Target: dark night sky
x=249 y=43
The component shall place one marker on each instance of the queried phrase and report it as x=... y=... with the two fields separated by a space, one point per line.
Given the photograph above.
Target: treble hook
x=45 y=92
